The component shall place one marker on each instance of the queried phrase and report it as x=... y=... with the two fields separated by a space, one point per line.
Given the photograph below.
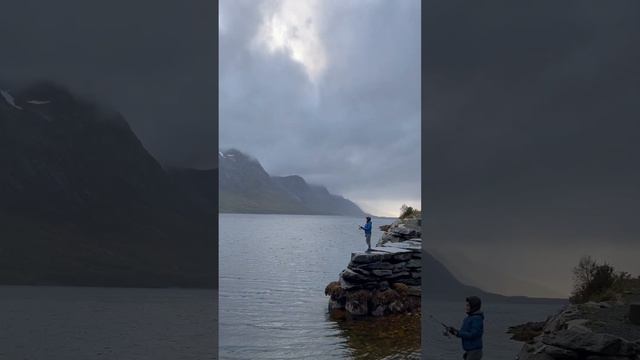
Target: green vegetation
x=407 y=212
x=601 y=282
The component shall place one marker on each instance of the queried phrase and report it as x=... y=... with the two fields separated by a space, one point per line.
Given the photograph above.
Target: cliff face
x=386 y=280
x=84 y=203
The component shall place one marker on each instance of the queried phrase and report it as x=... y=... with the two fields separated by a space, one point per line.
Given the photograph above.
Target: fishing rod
x=446 y=327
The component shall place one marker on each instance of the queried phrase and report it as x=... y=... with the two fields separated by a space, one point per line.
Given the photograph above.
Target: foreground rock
x=384 y=281
x=589 y=331
x=401 y=231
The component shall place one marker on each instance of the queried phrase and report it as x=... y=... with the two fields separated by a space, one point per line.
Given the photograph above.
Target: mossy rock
x=334 y=290
x=401 y=288
x=384 y=297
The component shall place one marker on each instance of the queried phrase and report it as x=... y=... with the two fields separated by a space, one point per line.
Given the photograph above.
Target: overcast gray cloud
x=326 y=89
x=531 y=138
x=329 y=90
x=152 y=60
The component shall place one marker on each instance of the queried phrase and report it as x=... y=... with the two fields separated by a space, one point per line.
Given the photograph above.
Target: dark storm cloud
x=354 y=125
x=152 y=60
x=531 y=132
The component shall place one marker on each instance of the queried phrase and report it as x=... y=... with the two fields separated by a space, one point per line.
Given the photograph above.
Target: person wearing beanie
x=471 y=330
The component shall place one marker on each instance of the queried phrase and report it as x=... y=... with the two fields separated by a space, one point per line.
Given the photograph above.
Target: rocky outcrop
x=589 y=331
x=383 y=281
x=401 y=231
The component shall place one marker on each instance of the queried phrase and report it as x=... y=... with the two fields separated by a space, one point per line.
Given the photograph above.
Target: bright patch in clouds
x=289 y=27
x=390 y=208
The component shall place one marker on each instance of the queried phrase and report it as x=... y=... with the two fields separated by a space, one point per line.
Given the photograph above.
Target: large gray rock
x=601 y=344
x=359 y=270
x=382 y=273
x=347 y=285
x=533 y=352
x=370 y=257
x=560 y=353
x=401 y=266
x=353 y=277
x=377 y=266
x=412 y=281
x=402 y=256
x=578 y=325
x=415 y=291
x=399 y=275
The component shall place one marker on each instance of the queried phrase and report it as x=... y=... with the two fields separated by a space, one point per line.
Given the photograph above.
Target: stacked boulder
x=384 y=281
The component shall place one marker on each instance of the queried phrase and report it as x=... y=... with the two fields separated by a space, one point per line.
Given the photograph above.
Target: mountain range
x=246 y=187
x=84 y=203
x=440 y=284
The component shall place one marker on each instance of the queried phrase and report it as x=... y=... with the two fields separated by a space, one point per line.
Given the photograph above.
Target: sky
x=328 y=90
x=531 y=139
x=153 y=61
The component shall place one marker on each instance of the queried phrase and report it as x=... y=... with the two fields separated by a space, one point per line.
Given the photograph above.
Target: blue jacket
x=367 y=228
x=471 y=331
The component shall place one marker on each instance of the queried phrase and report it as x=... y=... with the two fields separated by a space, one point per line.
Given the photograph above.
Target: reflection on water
x=377 y=338
x=273 y=271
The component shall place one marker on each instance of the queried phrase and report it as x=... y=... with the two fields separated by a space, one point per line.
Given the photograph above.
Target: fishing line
x=436 y=320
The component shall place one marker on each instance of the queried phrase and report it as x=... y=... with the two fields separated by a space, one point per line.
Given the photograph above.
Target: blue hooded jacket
x=367 y=228
x=471 y=331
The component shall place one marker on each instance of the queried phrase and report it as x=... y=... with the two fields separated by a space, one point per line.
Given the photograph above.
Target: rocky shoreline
x=591 y=331
x=386 y=280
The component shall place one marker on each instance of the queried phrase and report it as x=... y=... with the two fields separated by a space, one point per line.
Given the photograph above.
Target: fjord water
x=273 y=271
x=68 y=323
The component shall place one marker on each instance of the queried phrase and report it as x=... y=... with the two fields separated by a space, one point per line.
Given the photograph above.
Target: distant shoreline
x=277 y=213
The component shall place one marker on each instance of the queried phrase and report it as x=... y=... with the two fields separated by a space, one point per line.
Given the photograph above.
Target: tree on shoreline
x=409 y=212
x=596 y=282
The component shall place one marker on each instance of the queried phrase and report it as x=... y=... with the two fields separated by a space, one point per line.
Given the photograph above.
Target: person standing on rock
x=471 y=330
x=367 y=232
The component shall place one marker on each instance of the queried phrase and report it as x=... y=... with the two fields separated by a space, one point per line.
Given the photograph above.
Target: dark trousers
x=473 y=355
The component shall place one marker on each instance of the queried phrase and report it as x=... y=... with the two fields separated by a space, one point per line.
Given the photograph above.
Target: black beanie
x=474 y=304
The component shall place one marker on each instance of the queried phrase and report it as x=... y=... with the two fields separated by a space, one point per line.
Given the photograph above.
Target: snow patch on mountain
x=9 y=99
x=39 y=102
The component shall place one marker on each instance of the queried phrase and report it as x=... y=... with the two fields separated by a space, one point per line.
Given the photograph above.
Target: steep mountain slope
x=198 y=187
x=317 y=198
x=440 y=284
x=245 y=187
x=488 y=276
x=84 y=203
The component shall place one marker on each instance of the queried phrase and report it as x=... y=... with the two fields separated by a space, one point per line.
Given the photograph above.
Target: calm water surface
x=273 y=271
x=71 y=323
